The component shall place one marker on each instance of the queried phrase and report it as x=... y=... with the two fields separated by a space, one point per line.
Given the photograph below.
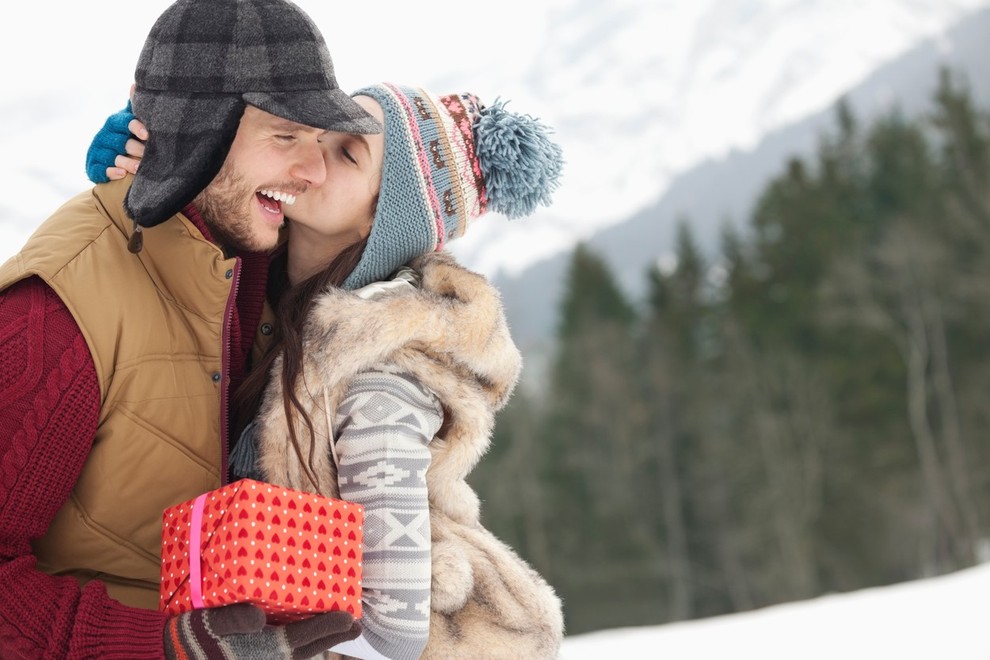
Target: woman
x=390 y=362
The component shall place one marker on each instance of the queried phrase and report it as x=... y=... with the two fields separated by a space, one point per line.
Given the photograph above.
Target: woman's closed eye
x=347 y=154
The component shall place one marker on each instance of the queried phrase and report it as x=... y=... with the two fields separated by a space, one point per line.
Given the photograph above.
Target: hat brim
x=329 y=109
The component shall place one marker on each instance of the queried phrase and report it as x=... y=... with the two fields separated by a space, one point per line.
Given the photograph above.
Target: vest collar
x=186 y=268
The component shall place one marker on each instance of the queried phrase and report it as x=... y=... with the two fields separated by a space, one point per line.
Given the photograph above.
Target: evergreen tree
x=669 y=347
x=803 y=415
x=593 y=456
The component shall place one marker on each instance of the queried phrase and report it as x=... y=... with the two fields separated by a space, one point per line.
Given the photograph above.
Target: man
x=127 y=320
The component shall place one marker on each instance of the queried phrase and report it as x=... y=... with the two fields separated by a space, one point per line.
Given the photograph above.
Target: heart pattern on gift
x=291 y=553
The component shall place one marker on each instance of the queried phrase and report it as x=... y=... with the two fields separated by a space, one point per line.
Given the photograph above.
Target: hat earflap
x=189 y=142
x=520 y=164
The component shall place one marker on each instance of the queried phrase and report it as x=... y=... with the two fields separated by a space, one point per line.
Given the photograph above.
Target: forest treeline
x=805 y=412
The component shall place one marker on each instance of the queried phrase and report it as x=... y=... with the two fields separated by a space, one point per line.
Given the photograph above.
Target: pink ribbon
x=195 y=559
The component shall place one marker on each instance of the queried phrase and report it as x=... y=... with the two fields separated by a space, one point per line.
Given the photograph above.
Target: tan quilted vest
x=153 y=323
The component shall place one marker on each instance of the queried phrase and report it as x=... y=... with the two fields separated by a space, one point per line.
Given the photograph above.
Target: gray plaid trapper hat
x=202 y=62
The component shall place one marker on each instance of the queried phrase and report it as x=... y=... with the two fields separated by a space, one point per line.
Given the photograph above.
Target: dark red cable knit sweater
x=49 y=406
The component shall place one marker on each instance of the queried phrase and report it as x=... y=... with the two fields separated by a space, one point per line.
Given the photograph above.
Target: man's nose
x=310 y=166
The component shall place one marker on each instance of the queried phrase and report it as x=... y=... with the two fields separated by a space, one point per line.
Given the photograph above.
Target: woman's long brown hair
x=291 y=311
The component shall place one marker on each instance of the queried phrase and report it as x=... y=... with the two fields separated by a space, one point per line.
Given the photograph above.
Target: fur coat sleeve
x=451 y=334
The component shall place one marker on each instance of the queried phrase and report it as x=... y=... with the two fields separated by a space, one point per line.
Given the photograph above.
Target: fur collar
x=450 y=333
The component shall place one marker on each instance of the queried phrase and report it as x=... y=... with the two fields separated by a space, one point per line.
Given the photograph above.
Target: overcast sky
x=67 y=44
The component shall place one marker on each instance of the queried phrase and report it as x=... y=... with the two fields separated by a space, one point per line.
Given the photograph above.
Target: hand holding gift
x=238 y=632
x=293 y=554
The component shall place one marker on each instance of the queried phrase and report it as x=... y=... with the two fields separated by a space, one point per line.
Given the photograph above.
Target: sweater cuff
x=114 y=631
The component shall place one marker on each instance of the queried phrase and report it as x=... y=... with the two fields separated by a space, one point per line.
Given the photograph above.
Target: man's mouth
x=272 y=200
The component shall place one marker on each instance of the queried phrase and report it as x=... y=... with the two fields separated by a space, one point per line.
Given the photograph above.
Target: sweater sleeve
x=49 y=411
x=384 y=427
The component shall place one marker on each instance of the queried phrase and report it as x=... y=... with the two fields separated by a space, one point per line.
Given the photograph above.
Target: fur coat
x=451 y=334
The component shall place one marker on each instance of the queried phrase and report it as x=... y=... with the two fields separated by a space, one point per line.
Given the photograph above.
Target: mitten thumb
x=237 y=619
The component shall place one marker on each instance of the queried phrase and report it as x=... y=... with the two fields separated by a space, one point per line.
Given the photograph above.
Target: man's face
x=271 y=161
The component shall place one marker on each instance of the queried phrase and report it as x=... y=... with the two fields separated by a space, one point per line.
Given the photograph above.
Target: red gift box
x=293 y=554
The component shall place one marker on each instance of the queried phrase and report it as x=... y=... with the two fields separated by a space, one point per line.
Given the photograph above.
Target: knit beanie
x=449 y=159
x=201 y=63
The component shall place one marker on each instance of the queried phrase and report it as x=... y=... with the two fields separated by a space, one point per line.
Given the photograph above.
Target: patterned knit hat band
x=458 y=114
x=441 y=129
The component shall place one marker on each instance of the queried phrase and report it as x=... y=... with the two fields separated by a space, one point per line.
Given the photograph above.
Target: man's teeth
x=280 y=196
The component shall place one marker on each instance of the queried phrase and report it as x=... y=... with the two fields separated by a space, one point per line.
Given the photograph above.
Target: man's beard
x=224 y=206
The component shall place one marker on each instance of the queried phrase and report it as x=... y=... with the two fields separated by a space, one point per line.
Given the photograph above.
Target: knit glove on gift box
x=238 y=632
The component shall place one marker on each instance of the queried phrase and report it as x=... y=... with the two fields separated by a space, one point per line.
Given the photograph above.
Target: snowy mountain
x=638 y=90
x=642 y=90
x=724 y=188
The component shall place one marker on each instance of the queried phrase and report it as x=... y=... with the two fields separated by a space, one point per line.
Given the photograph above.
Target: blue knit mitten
x=110 y=141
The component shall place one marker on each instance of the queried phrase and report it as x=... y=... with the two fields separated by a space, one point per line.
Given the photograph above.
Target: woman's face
x=339 y=212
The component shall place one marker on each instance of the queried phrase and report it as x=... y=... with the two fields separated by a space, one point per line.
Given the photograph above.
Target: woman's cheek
x=302 y=210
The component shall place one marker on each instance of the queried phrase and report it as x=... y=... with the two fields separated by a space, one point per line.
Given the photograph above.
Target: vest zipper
x=225 y=373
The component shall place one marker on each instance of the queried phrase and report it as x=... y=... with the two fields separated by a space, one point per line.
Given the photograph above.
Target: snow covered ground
x=943 y=618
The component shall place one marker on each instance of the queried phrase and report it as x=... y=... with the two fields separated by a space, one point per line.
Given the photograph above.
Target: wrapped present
x=293 y=554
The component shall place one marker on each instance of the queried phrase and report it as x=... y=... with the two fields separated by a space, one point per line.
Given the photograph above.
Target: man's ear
x=131 y=95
